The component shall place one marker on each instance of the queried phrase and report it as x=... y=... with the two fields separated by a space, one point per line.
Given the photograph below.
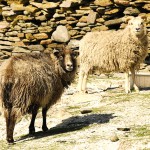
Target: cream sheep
x=114 y=51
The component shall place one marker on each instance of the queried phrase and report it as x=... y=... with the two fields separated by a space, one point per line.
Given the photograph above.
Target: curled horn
x=56 y=52
x=143 y=16
x=126 y=19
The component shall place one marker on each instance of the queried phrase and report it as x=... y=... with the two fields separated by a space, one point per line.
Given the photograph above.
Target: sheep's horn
x=126 y=19
x=144 y=17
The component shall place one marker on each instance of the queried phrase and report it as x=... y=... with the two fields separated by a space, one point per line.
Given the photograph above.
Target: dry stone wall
x=40 y=25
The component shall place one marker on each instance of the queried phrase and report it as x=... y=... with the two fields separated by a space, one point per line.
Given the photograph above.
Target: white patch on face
x=136 y=25
x=68 y=63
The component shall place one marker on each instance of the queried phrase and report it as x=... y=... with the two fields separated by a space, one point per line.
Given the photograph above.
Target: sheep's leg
x=133 y=85
x=10 y=117
x=31 y=127
x=127 y=83
x=84 y=83
x=81 y=75
x=44 y=126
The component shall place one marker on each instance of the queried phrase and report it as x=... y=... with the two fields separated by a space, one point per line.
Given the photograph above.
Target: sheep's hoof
x=136 y=89
x=32 y=131
x=128 y=91
x=44 y=129
x=83 y=92
x=10 y=141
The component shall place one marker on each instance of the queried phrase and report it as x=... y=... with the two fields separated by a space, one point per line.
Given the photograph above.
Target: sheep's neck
x=142 y=38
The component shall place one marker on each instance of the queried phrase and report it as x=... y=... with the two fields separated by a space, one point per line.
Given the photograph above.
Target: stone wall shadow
x=69 y=125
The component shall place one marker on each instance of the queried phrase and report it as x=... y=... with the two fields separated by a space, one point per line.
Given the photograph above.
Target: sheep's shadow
x=70 y=125
x=144 y=88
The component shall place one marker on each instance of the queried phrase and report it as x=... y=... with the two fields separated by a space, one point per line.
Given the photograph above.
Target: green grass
x=142 y=131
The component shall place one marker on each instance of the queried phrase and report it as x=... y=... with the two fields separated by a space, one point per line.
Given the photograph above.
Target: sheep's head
x=137 y=25
x=67 y=58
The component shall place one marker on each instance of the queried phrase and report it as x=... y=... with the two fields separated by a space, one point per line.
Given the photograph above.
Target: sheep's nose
x=69 y=65
x=137 y=29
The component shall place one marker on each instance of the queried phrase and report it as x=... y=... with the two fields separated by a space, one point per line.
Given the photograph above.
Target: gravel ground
x=104 y=119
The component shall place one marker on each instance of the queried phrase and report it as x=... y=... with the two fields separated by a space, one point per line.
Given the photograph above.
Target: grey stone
x=6 y=43
x=81 y=24
x=7 y=48
x=13 y=33
x=74 y=43
x=45 y=29
x=70 y=18
x=25 y=30
x=83 y=32
x=46 y=42
x=56 y=15
x=76 y=15
x=68 y=4
x=147 y=7
x=43 y=24
x=113 y=22
x=72 y=22
x=18 y=28
x=4 y=24
x=41 y=18
x=100 y=28
x=1 y=53
x=15 y=39
x=21 y=50
x=114 y=137
x=61 y=34
x=73 y=32
x=63 y=22
x=41 y=36
x=1 y=35
x=103 y=2
x=8 y=13
x=122 y=2
x=83 y=12
x=131 y=11
x=36 y=48
x=91 y=17
x=77 y=37
x=87 y=29
x=7 y=8
x=17 y=7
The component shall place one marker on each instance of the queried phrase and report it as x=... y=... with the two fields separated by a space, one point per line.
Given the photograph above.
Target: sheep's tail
x=6 y=89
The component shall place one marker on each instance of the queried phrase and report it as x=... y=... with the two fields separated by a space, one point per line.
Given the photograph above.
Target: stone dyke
x=40 y=25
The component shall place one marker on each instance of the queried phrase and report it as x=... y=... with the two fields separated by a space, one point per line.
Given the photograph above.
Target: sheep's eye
x=61 y=57
x=141 y=23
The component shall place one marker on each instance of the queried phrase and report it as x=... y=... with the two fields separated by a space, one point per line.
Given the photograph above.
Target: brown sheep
x=31 y=81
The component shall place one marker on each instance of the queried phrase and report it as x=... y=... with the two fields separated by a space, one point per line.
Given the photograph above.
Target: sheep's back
x=110 y=51
x=33 y=81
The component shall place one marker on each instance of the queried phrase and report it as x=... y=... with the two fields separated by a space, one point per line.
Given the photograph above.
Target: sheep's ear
x=128 y=18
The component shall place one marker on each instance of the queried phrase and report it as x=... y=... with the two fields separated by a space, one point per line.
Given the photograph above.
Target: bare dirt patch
x=90 y=121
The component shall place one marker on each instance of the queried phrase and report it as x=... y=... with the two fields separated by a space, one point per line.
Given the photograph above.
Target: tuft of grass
x=142 y=131
x=73 y=107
